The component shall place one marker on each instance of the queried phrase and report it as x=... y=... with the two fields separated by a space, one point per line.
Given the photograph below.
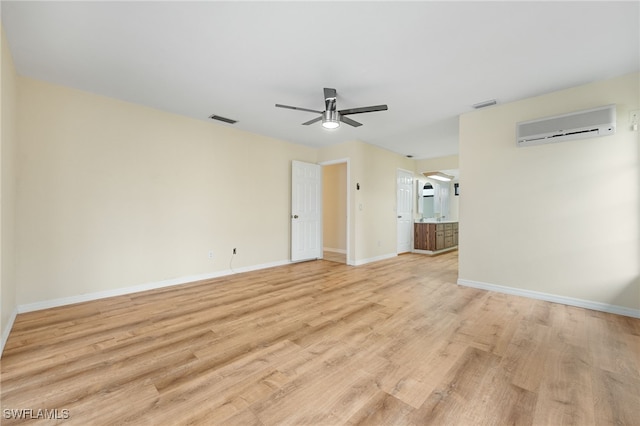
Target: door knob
x=295 y=216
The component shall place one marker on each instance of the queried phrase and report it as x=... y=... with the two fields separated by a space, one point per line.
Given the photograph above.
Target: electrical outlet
x=210 y=254
x=234 y=250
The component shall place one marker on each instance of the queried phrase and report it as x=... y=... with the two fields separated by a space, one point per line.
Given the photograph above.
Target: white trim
x=334 y=250
x=412 y=172
x=54 y=303
x=571 y=301
x=7 y=330
x=333 y=162
x=374 y=259
x=430 y=252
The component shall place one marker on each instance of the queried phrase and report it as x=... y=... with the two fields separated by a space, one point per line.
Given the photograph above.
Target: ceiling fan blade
x=363 y=109
x=330 y=99
x=350 y=121
x=315 y=120
x=330 y=93
x=298 y=108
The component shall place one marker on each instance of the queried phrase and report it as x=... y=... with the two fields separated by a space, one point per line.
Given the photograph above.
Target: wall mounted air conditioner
x=589 y=123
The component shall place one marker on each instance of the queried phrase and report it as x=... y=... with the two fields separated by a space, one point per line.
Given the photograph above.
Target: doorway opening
x=335 y=211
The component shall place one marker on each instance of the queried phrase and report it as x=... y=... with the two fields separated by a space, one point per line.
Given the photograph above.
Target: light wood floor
x=395 y=342
x=334 y=257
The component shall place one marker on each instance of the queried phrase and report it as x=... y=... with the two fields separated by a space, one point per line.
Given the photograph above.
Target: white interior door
x=306 y=211
x=404 y=210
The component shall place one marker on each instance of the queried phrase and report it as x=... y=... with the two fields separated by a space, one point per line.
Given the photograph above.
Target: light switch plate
x=634 y=120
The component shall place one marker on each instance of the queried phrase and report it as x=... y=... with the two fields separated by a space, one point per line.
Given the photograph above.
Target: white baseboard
x=581 y=303
x=373 y=259
x=432 y=252
x=46 y=304
x=7 y=330
x=334 y=250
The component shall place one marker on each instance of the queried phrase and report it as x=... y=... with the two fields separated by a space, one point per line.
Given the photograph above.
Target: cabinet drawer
x=448 y=241
x=448 y=226
x=440 y=227
x=448 y=233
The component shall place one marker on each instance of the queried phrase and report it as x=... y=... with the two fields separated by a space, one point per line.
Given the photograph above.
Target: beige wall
x=434 y=164
x=8 y=143
x=334 y=207
x=117 y=195
x=561 y=218
x=378 y=227
x=372 y=227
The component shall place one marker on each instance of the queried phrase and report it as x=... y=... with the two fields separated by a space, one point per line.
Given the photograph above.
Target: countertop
x=435 y=221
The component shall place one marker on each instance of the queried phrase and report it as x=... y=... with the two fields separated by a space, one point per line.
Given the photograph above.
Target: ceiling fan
x=330 y=117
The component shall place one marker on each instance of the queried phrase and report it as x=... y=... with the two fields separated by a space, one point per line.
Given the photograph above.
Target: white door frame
x=342 y=161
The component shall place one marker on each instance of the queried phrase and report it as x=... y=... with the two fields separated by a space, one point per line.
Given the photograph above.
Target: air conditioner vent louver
x=576 y=125
x=223 y=119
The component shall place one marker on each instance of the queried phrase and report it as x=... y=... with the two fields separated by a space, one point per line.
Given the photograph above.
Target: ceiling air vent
x=485 y=104
x=223 y=119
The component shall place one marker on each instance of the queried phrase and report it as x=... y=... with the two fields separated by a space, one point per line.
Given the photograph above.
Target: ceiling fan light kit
x=331 y=117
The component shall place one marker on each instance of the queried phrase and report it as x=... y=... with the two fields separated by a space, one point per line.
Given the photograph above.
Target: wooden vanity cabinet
x=455 y=234
x=435 y=236
x=421 y=236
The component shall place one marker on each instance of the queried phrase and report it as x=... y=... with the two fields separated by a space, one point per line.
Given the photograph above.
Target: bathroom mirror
x=437 y=199
x=428 y=200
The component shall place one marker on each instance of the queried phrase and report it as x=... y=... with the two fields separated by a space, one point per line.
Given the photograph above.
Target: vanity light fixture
x=438 y=176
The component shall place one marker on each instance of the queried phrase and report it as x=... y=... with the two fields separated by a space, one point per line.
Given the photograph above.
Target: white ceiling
x=428 y=61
